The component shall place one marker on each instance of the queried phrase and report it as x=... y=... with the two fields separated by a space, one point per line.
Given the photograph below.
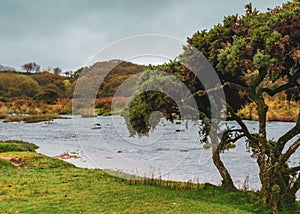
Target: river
x=164 y=153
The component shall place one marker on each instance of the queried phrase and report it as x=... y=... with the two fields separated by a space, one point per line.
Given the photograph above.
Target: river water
x=164 y=153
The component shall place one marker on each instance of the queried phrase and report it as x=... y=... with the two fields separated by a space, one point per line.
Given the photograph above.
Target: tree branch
x=262 y=74
x=236 y=86
x=292 y=82
x=296 y=185
x=290 y=134
x=205 y=92
x=295 y=169
x=242 y=125
x=229 y=135
x=277 y=90
x=291 y=150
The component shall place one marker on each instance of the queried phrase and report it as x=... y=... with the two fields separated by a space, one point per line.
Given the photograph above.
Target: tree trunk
x=276 y=189
x=227 y=181
x=226 y=178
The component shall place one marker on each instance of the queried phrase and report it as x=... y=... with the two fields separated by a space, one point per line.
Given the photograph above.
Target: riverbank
x=279 y=109
x=31 y=118
x=32 y=183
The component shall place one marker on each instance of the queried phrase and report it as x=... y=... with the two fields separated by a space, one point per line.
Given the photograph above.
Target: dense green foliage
x=256 y=56
x=241 y=46
x=152 y=96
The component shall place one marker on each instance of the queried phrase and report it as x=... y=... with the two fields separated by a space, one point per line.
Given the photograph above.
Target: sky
x=69 y=33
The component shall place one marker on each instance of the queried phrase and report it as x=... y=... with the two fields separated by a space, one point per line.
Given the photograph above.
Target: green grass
x=39 y=184
x=74 y=190
x=17 y=146
x=34 y=160
x=5 y=164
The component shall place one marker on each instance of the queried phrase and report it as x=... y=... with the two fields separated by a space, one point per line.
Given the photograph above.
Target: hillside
x=41 y=93
x=44 y=93
x=48 y=93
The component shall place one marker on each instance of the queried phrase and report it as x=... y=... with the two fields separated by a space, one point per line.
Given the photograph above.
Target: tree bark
x=276 y=189
x=226 y=178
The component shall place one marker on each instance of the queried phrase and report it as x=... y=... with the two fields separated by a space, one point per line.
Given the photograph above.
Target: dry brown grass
x=279 y=110
x=105 y=102
x=28 y=106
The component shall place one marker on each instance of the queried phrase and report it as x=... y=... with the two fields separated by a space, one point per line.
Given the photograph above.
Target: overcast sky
x=68 y=33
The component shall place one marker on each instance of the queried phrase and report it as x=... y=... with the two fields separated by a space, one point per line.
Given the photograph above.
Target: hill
x=48 y=93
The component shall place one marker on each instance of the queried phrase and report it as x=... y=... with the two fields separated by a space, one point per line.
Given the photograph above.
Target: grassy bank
x=279 y=109
x=31 y=118
x=74 y=190
x=34 y=183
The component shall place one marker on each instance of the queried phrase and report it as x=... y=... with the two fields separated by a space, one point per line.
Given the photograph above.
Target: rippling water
x=165 y=152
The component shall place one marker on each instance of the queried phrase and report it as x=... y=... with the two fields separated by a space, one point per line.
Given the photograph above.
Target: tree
x=257 y=55
x=259 y=52
x=32 y=66
x=152 y=95
x=27 y=67
x=35 y=67
x=57 y=71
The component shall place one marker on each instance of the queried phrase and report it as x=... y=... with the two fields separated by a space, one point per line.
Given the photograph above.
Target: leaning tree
x=256 y=55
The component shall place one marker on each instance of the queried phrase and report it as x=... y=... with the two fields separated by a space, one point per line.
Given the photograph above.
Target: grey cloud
x=67 y=33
